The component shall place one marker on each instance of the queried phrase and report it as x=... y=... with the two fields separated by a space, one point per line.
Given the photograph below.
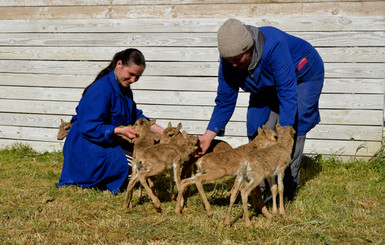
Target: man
x=284 y=75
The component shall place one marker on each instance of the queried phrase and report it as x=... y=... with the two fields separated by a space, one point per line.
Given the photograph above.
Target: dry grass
x=338 y=203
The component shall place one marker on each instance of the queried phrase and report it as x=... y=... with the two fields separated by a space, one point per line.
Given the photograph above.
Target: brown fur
x=173 y=133
x=145 y=139
x=259 y=164
x=157 y=158
x=64 y=128
x=216 y=165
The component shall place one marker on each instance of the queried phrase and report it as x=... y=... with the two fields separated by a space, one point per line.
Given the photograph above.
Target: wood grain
x=51 y=50
x=167 y=11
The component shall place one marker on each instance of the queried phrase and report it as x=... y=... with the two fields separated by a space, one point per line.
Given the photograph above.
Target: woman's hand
x=205 y=141
x=157 y=129
x=126 y=131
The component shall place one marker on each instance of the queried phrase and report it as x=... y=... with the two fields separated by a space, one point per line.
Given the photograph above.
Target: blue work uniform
x=92 y=158
x=288 y=79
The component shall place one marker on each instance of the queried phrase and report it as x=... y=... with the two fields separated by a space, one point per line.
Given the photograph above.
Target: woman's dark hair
x=127 y=56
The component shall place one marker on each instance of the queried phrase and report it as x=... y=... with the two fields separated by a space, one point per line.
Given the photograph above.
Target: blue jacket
x=91 y=156
x=275 y=84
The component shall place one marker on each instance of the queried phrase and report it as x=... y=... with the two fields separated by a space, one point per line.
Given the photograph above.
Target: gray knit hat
x=233 y=38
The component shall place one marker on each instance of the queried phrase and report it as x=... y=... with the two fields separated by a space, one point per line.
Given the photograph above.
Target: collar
x=259 y=42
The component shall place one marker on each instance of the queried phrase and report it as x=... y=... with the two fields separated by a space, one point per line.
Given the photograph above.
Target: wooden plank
x=299 y=23
x=106 y=53
x=351 y=101
x=351 y=117
x=199 y=69
x=29 y=133
x=327 y=147
x=345 y=132
x=194 y=10
x=332 y=132
x=192 y=98
x=337 y=54
x=43 y=94
x=175 y=39
x=349 y=134
x=353 y=86
x=352 y=54
x=354 y=70
x=331 y=85
x=343 y=148
x=332 y=39
x=337 y=132
x=39 y=146
x=38 y=107
x=42 y=3
x=32 y=120
x=338 y=149
x=151 y=110
x=197 y=119
x=172 y=39
x=328 y=117
x=321 y=131
x=48 y=80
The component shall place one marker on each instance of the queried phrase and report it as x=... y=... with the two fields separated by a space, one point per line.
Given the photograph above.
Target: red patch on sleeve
x=301 y=64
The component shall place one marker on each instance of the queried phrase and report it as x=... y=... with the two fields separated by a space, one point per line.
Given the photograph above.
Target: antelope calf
x=64 y=128
x=258 y=164
x=145 y=139
x=216 y=165
x=159 y=157
x=173 y=133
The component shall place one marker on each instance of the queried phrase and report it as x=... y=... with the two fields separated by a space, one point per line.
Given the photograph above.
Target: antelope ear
x=185 y=135
x=179 y=126
x=196 y=139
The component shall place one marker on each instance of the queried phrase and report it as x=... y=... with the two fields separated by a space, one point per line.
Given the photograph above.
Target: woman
x=92 y=156
x=284 y=75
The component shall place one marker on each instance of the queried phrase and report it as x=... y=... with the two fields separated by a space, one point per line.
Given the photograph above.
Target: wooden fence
x=50 y=50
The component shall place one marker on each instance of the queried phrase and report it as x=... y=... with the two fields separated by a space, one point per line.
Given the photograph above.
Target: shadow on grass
x=311 y=166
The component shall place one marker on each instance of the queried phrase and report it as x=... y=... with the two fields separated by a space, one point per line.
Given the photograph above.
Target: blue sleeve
x=286 y=82
x=93 y=113
x=225 y=103
x=139 y=114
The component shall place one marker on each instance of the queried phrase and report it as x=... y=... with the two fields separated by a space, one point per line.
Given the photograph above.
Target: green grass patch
x=337 y=203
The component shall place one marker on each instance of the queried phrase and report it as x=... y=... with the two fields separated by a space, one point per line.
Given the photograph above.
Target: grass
x=338 y=203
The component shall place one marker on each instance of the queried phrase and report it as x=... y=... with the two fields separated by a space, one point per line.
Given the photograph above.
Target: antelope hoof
x=227 y=221
x=268 y=215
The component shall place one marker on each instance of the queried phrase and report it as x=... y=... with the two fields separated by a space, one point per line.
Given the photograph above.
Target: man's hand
x=205 y=141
